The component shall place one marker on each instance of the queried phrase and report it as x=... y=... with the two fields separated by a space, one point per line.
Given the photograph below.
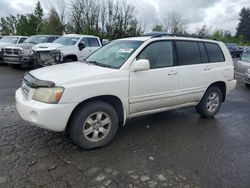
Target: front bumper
x=20 y=59
x=230 y=85
x=53 y=117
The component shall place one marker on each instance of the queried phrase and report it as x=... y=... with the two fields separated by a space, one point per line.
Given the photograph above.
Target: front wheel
x=247 y=85
x=210 y=102
x=93 y=125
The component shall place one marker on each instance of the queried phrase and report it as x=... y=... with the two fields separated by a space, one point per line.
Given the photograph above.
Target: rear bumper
x=230 y=86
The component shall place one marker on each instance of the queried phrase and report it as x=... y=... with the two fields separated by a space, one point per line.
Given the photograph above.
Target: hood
x=23 y=45
x=4 y=43
x=68 y=73
x=46 y=46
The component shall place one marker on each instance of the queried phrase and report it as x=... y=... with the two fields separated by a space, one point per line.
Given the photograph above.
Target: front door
x=155 y=88
x=91 y=45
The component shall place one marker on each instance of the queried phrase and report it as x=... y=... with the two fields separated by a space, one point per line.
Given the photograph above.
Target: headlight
x=27 y=51
x=48 y=95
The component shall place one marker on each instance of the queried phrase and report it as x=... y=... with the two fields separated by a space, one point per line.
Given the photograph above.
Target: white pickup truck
x=68 y=48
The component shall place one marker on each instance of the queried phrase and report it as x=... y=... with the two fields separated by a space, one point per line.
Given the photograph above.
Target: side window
x=159 y=54
x=86 y=42
x=203 y=53
x=214 y=52
x=22 y=40
x=93 y=42
x=51 y=39
x=188 y=52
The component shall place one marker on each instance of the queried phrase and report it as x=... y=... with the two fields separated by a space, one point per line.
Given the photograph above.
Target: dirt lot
x=171 y=149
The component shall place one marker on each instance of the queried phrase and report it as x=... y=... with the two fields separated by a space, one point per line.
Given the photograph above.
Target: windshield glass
x=11 y=40
x=114 y=54
x=69 y=41
x=36 y=39
x=245 y=57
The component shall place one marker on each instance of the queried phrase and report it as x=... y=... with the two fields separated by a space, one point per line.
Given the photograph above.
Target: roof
x=145 y=38
x=78 y=35
x=14 y=36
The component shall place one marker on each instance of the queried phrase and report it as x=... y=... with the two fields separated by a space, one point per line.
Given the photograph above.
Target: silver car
x=243 y=67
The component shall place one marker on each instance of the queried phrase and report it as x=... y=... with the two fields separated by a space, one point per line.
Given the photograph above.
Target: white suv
x=126 y=78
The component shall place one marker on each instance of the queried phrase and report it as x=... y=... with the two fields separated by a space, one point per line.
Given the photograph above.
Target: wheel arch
x=70 y=56
x=222 y=86
x=110 y=99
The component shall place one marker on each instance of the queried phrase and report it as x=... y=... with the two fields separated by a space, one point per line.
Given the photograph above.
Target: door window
x=159 y=54
x=22 y=40
x=85 y=41
x=188 y=52
x=93 y=42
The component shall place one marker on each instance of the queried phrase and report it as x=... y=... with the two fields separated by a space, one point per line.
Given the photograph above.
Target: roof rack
x=163 y=34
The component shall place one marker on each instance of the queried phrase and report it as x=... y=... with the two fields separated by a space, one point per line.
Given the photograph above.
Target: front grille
x=15 y=51
x=9 y=51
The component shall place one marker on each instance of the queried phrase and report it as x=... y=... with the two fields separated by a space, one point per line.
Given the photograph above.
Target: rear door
x=154 y=88
x=194 y=72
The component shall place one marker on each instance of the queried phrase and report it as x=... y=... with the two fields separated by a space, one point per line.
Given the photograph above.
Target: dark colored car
x=234 y=50
x=22 y=54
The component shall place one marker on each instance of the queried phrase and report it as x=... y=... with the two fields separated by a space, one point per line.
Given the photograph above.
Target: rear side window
x=21 y=40
x=214 y=52
x=93 y=42
x=188 y=52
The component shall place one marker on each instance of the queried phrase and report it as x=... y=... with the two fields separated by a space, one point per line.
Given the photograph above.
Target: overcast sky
x=216 y=14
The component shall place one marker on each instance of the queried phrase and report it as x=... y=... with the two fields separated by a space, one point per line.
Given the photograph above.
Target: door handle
x=207 y=69
x=172 y=73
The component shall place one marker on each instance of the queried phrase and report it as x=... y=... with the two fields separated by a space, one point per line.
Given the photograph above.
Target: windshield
x=114 y=54
x=245 y=57
x=11 y=40
x=69 y=41
x=36 y=39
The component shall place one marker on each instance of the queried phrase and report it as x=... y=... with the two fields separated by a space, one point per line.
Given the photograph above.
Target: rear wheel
x=93 y=125
x=210 y=102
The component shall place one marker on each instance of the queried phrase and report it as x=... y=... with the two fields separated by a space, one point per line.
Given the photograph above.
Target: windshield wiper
x=100 y=64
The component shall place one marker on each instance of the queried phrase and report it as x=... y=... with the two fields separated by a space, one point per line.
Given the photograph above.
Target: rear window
x=188 y=52
x=214 y=52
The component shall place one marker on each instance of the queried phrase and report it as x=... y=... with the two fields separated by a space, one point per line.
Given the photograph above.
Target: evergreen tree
x=243 y=28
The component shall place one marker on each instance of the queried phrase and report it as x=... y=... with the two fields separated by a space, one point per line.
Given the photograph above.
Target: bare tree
x=106 y=18
x=174 y=23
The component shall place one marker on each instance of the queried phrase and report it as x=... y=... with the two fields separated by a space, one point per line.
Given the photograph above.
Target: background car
x=234 y=50
x=20 y=54
x=7 y=40
x=68 y=48
x=243 y=64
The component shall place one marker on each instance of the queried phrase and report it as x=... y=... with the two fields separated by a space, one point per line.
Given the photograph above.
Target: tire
x=88 y=118
x=68 y=60
x=16 y=66
x=210 y=102
x=247 y=85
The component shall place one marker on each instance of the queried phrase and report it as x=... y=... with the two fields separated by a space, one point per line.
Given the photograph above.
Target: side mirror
x=81 y=46
x=141 y=65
